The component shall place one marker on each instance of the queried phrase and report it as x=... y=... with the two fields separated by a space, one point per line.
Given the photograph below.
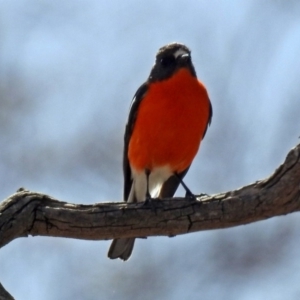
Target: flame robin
x=168 y=118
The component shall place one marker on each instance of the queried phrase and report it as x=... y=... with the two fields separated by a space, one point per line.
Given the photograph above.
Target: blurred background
x=68 y=72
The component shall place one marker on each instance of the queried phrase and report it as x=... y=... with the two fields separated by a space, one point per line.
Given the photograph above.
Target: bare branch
x=29 y=213
x=4 y=295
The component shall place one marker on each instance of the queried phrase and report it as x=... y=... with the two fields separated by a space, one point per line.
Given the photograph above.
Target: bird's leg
x=148 y=196
x=188 y=193
x=148 y=199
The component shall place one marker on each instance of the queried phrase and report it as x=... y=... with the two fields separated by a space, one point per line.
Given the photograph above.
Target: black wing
x=169 y=188
x=209 y=118
x=138 y=97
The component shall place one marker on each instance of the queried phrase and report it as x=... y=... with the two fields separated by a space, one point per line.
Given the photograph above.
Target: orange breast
x=170 y=123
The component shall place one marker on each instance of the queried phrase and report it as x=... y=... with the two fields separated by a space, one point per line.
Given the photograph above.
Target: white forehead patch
x=180 y=52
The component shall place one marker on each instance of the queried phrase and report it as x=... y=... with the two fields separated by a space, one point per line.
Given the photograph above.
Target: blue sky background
x=68 y=72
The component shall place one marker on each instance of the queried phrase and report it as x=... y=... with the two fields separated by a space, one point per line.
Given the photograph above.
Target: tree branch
x=4 y=295
x=30 y=213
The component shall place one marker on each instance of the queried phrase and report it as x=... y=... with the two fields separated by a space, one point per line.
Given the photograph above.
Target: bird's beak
x=184 y=58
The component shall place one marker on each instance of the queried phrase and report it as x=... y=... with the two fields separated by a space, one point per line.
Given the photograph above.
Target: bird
x=169 y=116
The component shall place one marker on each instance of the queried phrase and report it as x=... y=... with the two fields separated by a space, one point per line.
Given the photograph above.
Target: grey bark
x=31 y=213
x=4 y=295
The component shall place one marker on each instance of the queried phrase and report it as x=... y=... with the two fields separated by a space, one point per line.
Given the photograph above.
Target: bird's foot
x=148 y=202
x=202 y=195
x=189 y=195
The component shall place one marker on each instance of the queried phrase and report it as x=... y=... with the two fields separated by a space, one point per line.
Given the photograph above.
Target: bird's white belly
x=156 y=179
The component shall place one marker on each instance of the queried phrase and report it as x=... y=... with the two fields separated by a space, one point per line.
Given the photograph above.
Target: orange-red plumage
x=170 y=124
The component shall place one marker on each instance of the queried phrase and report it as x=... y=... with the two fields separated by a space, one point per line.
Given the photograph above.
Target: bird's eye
x=167 y=61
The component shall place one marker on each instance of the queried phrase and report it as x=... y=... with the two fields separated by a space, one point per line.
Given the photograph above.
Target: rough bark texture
x=30 y=213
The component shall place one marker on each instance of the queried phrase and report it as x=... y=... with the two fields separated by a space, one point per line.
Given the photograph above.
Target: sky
x=68 y=72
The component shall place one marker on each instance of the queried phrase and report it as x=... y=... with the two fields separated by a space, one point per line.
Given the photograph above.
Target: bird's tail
x=121 y=248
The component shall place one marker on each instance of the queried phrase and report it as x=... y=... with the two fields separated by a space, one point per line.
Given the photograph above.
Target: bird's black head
x=169 y=60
